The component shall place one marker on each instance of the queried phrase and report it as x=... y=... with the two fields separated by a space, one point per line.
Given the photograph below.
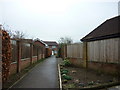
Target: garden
x=82 y=78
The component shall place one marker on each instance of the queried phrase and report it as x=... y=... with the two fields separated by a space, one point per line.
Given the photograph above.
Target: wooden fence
x=98 y=51
x=104 y=51
x=101 y=54
x=75 y=50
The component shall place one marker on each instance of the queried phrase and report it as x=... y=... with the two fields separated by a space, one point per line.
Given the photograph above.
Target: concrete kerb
x=23 y=76
x=60 y=81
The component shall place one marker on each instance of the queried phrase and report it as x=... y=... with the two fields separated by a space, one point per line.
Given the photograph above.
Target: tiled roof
x=109 y=29
x=51 y=43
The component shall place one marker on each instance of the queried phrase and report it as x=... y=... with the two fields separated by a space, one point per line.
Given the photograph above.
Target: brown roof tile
x=108 y=29
x=51 y=43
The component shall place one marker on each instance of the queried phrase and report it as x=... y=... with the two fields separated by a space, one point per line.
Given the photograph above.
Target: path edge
x=60 y=81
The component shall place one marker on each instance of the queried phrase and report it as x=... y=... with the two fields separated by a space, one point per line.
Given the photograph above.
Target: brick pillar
x=37 y=53
x=0 y=58
x=31 y=53
x=18 y=55
x=42 y=52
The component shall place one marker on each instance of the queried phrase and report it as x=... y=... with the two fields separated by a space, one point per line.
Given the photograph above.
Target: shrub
x=66 y=62
x=67 y=77
x=64 y=71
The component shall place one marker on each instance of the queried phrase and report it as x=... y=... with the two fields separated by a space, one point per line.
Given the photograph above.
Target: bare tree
x=19 y=35
x=65 y=40
x=14 y=34
x=10 y=32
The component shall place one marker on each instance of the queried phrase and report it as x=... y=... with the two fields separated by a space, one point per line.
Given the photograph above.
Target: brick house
x=52 y=45
x=42 y=47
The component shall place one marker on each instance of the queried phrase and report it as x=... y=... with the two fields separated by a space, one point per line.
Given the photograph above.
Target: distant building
x=42 y=47
x=52 y=45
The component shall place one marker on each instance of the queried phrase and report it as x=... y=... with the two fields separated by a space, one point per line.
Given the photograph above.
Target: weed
x=70 y=86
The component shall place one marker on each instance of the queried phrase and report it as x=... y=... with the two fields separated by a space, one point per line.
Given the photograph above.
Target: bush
x=64 y=71
x=66 y=62
x=67 y=77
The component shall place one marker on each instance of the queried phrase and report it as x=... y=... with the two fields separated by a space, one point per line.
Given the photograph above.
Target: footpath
x=44 y=75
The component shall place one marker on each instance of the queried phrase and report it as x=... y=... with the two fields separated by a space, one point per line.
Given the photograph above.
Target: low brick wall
x=0 y=74
x=104 y=67
x=24 y=63
x=34 y=59
x=13 y=68
x=77 y=62
x=43 y=55
x=109 y=68
x=39 y=57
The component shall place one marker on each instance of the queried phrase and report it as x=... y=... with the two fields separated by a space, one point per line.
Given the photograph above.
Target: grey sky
x=52 y=19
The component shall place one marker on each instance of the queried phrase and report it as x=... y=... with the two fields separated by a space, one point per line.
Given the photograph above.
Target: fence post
x=85 y=64
x=118 y=69
x=18 y=55
x=66 y=51
x=31 y=53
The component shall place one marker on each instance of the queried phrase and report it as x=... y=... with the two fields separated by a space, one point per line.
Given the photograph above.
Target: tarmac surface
x=44 y=75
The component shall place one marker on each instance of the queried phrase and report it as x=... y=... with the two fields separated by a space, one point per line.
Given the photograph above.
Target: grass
x=15 y=77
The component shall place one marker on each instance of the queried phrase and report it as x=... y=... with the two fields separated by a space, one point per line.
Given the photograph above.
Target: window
x=53 y=46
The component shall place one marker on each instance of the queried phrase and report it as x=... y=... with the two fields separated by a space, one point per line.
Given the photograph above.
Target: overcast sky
x=52 y=19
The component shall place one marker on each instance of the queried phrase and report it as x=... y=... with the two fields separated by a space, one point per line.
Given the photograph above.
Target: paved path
x=44 y=75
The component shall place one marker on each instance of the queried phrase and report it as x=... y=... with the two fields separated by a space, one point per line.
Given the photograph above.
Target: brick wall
x=76 y=62
x=0 y=74
x=13 y=68
x=24 y=63
x=104 y=67
x=34 y=59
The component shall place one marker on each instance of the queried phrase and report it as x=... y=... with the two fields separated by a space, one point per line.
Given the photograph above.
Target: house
x=103 y=46
x=109 y=29
x=42 y=47
x=52 y=45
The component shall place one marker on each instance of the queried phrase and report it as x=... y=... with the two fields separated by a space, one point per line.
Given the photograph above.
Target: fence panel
x=103 y=50
x=98 y=51
x=34 y=50
x=14 y=50
x=25 y=50
x=75 y=50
